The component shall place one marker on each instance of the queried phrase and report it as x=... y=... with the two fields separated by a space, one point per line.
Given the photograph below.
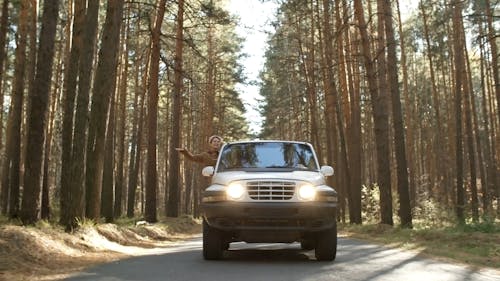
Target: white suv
x=269 y=192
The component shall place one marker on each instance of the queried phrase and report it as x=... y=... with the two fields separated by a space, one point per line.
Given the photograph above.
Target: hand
x=180 y=149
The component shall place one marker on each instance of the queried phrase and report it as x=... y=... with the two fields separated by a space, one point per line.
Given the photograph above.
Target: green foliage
x=43 y=224
x=430 y=213
x=487 y=225
x=86 y=223
x=125 y=221
x=370 y=209
x=3 y=220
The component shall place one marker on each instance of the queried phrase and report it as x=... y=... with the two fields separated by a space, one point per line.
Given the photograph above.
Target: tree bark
x=107 y=206
x=173 y=171
x=38 y=114
x=11 y=166
x=121 y=126
x=152 y=173
x=4 y=23
x=104 y=87
x=435 y=99
x=397 y=117
x=459 y=66
x=49 y=142
x=67 y=181
x=136 y=140
x=380 y=120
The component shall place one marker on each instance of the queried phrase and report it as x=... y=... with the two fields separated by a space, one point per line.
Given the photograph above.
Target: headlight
x=307 y=192
x=235 y=191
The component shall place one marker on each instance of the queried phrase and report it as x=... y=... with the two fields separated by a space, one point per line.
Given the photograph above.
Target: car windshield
x=267 y=156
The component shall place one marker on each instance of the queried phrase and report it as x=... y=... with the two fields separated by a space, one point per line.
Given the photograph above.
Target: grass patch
x=475 y=244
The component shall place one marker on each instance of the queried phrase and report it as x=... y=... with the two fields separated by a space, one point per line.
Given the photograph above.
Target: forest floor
x=46 y=252
x=473 y=244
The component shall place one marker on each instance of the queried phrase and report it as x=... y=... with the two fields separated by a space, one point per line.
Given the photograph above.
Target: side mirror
x=327 y=171
x=208 y=171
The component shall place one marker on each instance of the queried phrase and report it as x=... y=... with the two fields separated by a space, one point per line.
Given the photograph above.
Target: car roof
x=267 y=141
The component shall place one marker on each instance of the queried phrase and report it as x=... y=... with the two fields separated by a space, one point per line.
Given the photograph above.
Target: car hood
x=224 y=178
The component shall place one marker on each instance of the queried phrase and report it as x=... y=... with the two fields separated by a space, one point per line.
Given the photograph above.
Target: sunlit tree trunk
x=104 y=86
x=77 y=164
x=69 y=193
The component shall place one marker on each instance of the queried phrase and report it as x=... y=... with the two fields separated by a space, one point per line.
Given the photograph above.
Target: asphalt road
x=356 y=260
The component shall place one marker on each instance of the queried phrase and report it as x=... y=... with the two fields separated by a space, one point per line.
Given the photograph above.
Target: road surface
x=356 y=260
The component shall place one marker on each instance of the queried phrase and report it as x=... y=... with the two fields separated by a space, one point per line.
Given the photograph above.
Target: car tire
x=212 y=242
x=326 y=244
x=307 y=244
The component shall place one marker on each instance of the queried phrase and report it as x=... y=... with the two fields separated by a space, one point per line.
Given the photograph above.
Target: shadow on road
x=356 y=261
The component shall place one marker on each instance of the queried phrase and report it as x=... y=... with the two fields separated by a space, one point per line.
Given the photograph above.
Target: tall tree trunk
x=107 y=206
x=152 y=173
x=54 y=108
x=477 y=138
x=70 y=80
x=332 y=98
x=489 y=149
x=329 y=102
x=38 y=115
x=173 y=171
x=209 y=100
x=409 y=131
x=435 y=99
x=355 y=136
x=472 y=151
x=492 y=38
x=380 y=120
x=459 y=66
x=122 y=107
x=104 y=86
x=136 y=141
x=78 y=152
x=397 y=117
x=4 y=23
x=11 y=166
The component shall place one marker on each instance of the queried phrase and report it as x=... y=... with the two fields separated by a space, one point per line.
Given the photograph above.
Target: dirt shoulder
x=46 y=252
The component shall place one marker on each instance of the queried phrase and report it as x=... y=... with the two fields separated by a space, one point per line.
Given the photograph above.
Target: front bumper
x=270 y=216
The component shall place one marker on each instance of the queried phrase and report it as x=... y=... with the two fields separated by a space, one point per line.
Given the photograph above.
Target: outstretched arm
x=189 y=155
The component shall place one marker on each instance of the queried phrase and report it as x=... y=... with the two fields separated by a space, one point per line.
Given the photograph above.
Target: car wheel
x=212 y=242
x=307 y=244
x=326 y=244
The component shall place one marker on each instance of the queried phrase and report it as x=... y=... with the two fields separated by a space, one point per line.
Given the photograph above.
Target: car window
x=267 y=155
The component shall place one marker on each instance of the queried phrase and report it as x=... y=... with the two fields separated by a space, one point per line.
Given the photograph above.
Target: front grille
x=270 y=190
